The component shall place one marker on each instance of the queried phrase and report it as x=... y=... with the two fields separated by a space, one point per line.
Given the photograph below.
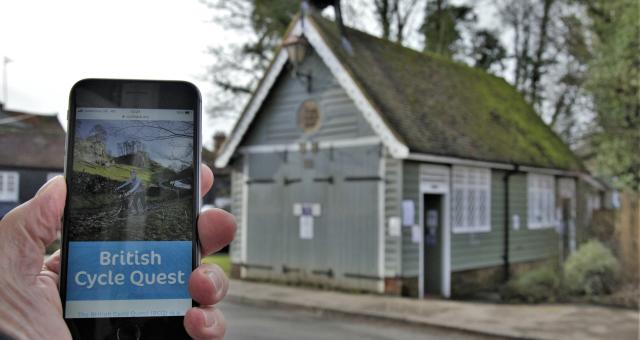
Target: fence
x=627 y=235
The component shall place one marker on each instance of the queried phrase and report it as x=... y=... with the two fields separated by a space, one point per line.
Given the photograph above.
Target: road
x=249 y=322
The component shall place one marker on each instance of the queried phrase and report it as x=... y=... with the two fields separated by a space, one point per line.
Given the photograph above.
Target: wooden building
x=31 y=152
x=220 y=194
x=367 y=165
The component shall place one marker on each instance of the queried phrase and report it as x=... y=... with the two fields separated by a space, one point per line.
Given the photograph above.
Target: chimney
x=219 y=138
x=319 y=5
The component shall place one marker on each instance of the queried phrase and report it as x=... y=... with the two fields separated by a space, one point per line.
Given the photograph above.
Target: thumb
x=29 y=228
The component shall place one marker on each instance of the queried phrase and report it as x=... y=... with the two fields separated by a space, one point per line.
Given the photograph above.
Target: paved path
x=547 y=321
x=253 y=322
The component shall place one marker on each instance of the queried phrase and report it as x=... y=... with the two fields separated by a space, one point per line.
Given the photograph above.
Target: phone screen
x=130 y=214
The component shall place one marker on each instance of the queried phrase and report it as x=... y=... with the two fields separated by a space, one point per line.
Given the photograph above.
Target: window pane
x=471 y=197
x=471 y=208
x=458 y=217
x=11 y=183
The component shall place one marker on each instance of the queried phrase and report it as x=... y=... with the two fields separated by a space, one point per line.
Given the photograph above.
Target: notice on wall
x=306 y=227
x=408 y=213
x=515 y=222
x=309 y=209
x=297 y=209
x=416 y=234
x=394 y=226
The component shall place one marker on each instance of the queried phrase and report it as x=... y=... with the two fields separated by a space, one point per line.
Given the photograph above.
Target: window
x=9 y=184
x=541 y=203
x=471 y=201
x=51 y=175
x=593 y=203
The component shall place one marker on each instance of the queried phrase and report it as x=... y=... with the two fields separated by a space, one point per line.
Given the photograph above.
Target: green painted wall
x=393 y=197
x=528 y=244
x=237 y=181
x=410 y=191
x=345 y=235
x=277 y=120
x=483 y=249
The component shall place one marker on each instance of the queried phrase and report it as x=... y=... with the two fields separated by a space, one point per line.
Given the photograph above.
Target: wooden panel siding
x=528 y=244
x=345 y=235
x=482 y=249
x=410 y=191
x=393 y=197
x=277 y=120
x=352 y=220
x=237 y=182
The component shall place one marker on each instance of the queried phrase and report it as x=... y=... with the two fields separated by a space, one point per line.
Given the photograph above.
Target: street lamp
x=296 y=47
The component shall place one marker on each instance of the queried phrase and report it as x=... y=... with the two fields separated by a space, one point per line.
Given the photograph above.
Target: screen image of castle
x=131 y=180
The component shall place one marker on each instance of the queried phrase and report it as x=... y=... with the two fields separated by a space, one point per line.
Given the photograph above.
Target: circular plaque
x=309 y=116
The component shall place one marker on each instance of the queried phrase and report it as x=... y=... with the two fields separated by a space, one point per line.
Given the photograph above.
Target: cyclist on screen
x=136 y=193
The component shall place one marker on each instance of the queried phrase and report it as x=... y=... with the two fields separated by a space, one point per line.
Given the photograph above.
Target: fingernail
x=209 y=319
x=216 y=279
x=45 y=187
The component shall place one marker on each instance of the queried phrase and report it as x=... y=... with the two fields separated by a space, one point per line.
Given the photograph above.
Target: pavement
x=544 y=321
x=247 y=321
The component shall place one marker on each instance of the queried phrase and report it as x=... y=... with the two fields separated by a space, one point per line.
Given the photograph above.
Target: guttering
x=554 y=172
x=593 y=182
x=309 y=145
x=457 y=161
x=424 y=157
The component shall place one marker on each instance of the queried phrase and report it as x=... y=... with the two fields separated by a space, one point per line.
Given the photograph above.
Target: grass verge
x=221 y=260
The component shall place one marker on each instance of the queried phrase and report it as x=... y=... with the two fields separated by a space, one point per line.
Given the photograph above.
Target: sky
x=53 y=44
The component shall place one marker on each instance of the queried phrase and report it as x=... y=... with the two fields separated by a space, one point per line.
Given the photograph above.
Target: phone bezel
x=187 y=96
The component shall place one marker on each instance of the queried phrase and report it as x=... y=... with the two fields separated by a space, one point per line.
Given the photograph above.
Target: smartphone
x=129 y=237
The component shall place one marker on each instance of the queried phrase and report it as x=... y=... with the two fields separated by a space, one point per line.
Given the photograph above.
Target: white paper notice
x=416 y=234
x=515 y=221
x=316 y=209
x=408 y=213
x=306 y=227
x=394 y=226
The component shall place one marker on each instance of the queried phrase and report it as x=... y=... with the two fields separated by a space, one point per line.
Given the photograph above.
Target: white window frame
x=541 y=201
x=470 y=182
x=5 y=194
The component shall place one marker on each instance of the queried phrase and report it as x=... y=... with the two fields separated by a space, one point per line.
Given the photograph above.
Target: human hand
x=30 y=306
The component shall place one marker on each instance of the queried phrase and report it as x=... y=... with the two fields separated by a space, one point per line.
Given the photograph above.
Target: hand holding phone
x=30 y=306
x=130 y=231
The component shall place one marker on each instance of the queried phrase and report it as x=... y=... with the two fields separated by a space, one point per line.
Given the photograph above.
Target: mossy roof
x=441 y=107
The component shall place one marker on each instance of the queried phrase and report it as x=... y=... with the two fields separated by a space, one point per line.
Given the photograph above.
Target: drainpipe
x=507 y=228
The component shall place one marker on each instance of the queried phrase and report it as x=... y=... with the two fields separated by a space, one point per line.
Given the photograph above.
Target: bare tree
x=238 y=67
x=538 y=60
